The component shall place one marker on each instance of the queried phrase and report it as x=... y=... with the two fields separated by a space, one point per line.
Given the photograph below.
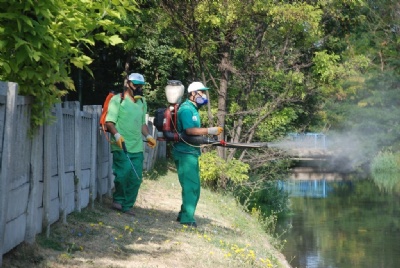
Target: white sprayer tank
x=174 y=91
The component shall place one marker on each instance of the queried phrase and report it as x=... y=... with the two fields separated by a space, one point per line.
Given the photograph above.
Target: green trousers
x=126 y=181
x=189 y=178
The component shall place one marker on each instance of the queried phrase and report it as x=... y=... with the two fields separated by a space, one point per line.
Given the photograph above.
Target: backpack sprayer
x=166 y=118
x=165 y=121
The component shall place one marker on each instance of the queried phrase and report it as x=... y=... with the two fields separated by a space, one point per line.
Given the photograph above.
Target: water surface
x=341 y=224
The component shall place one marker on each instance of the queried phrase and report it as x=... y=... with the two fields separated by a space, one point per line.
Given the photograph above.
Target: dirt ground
x=102 y=237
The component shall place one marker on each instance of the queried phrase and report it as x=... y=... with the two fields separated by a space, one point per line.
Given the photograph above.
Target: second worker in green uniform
x=186 y=156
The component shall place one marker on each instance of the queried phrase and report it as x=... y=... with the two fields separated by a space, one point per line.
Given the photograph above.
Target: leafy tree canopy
x=41 y=40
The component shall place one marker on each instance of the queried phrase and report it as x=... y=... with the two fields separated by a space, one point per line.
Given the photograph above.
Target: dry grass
x=101 y=237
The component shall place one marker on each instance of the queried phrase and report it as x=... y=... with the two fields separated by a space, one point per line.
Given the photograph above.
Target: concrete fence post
x=36 y=163
x=94 y=148
x=61 y=162
x=11 y=90
x=77 y=158
x=47 y=178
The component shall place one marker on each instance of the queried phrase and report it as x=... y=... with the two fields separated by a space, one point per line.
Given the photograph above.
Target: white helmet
x=196 y=86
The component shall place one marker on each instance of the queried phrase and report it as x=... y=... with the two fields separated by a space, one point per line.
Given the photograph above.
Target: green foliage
x=154 y=50
x=385 y=169
x=269 y=199
x=325 y=65
x=371 y=114
x=386 y=161
x=278 y=124
x=297 y=18
x=217 y=173
x=262 y=191
x=42 y=39
x=271 y=86
x=362 y=97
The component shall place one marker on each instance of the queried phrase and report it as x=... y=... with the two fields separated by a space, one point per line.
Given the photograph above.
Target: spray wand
x=127 y=156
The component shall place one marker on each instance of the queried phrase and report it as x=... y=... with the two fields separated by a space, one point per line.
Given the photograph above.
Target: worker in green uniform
x=125 y=120
x=186 y=156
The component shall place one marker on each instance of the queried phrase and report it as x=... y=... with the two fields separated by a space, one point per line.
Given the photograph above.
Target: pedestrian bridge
x=318 y=167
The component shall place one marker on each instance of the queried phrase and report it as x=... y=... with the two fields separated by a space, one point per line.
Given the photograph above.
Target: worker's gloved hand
x=214 y=130
x=151 y=141
x=119 y=139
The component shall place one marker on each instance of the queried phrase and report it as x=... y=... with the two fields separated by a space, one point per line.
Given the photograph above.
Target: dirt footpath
x=102 y=237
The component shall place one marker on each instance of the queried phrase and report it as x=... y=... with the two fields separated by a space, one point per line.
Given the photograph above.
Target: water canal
x=340 y=222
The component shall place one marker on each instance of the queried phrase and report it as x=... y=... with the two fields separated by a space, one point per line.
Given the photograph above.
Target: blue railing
x=305 y=188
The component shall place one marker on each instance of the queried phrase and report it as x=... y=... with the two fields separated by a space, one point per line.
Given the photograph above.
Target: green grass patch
x=89 y=215
x=52 y=242
x=385 y=170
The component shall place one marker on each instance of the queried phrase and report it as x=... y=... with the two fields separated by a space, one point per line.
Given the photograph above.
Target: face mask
x=137 y=91
x=201 y=100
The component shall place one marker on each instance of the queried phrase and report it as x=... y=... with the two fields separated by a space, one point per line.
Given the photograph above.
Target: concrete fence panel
x=62 y=168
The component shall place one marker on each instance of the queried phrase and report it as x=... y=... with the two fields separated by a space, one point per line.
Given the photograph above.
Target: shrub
x=386 y=161
x=261 y=191
x=267 y=196
x=385 y=168
x=216 y=173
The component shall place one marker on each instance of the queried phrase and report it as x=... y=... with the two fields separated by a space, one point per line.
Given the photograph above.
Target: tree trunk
x=222 y=95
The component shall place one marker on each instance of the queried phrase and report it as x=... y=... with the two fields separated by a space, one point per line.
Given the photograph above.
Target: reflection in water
x=341 y=224
x=387 y=181
x=307 y=188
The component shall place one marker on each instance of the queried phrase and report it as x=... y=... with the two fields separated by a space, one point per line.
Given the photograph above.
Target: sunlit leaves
x=278 y=124
x=81 y=61
x=40 y=39
x=297 y=17
x=219 y=173
x=325 y=65
x=114 y=40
